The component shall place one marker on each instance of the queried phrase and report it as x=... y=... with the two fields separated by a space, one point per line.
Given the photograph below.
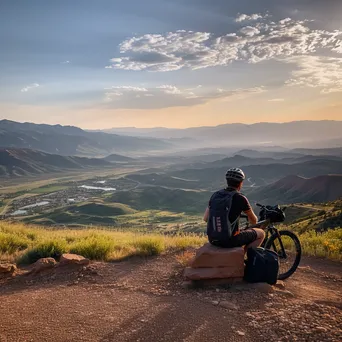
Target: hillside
x=160 y=198
x=117 y=158
x=25 y=162
x=261 y=175
x=298 y=189
x=67 y=140
x=242 y=161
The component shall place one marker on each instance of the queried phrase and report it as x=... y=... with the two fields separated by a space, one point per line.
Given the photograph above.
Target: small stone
x=304 y=268
x=262 y=287
x=217 y=290
x=7 y=270
x=286 y=293
x=229 y=305
x=321 y=329
x=143 y=320
x=241 y=333
x=215 y=302
x=280 y=285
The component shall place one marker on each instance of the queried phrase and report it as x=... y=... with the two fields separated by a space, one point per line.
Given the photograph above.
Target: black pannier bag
x=262 y=266
x=272 y=213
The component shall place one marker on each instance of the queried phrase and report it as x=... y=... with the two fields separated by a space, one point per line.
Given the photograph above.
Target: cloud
x=276 y=100
x=317 y=72
x=127 y=88
x=245 y=17
x=115 y=92
x=170 y=96
x=249 y=31
x=259 y=41
x=169 y=89
x=65 y=62
x=29 y=87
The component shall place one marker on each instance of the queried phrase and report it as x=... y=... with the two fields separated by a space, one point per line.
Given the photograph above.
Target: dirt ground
x=144 y=300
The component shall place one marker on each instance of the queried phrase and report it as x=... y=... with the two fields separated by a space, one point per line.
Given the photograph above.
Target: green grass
x=328 y=245
x=26 y=244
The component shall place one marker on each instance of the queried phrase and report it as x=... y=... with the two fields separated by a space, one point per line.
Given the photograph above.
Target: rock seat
x=211 y=262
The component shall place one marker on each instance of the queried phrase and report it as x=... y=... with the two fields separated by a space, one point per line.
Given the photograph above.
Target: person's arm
x=252 y=218
x=206 y=215
x=247 y=209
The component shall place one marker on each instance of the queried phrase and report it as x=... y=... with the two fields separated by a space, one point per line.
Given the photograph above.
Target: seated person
x=223 y=213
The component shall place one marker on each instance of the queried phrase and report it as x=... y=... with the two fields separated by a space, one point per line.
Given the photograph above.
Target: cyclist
x=239 y=203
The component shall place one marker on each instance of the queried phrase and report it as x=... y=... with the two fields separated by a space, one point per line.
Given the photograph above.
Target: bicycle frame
x=270 y=229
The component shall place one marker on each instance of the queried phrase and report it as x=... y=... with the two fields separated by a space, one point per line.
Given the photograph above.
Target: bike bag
x=262 y=266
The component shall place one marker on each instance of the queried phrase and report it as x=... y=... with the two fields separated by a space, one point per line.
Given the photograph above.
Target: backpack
x=219 y=228
x=262 y=266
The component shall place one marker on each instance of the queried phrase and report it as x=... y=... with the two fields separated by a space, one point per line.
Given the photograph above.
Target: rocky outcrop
x=73 y=259
x=42 y=265
x=7 y=270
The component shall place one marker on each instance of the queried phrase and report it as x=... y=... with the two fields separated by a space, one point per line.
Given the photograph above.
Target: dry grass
x=26 y=244
x=185 y=258
x=328 y=245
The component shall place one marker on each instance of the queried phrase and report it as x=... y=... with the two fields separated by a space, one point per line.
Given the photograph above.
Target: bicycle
x=289 y=249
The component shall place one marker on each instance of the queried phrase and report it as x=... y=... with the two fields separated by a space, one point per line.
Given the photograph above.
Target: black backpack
x=219 y=228
x=262 y=266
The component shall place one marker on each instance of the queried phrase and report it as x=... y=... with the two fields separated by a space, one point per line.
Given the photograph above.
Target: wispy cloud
x=29 y=87
x=320 y=72
x=171 y=96
x=65 y=62
x=276 y=100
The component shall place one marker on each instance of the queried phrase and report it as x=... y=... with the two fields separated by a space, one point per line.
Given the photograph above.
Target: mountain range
x=307 y=133
x=68 y=140
x=26 y=162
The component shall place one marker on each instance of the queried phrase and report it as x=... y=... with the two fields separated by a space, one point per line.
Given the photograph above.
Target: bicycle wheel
x=289 y=251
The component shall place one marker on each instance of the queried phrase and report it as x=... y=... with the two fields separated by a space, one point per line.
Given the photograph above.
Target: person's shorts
x=245 y=237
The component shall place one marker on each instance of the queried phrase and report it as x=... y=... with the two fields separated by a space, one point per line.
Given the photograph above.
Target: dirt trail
x=143 y=300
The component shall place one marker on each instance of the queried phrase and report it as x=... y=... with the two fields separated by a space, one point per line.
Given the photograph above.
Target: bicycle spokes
x=286 y=249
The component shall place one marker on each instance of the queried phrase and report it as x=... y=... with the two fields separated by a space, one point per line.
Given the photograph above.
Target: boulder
x=213 y=273
x=67 y=259
x=211 y=256
x=7 y=269
x=42 y=265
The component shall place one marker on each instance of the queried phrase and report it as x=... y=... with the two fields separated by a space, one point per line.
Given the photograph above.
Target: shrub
x=11 y=243
x=50 y=248
x=94 y=247
x=149 y=245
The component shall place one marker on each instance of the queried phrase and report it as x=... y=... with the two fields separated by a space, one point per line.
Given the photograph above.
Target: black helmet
x=235 y=174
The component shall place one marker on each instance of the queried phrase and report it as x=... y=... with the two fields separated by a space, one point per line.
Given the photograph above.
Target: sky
x=171 y=63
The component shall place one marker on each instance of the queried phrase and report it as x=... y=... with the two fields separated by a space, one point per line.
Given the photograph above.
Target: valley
x=164 y=192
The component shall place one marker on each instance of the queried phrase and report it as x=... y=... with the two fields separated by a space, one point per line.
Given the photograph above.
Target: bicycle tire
x=269 y=245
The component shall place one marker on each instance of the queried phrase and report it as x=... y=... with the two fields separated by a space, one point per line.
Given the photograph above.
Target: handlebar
x=265 y=207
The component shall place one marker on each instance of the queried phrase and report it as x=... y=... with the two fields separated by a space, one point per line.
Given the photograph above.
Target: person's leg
x=258 y=241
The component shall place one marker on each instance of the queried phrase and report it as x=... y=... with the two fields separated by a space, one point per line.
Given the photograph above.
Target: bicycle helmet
x=235 y=174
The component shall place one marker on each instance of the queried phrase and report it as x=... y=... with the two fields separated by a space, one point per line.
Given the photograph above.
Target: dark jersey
x=239 y=204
